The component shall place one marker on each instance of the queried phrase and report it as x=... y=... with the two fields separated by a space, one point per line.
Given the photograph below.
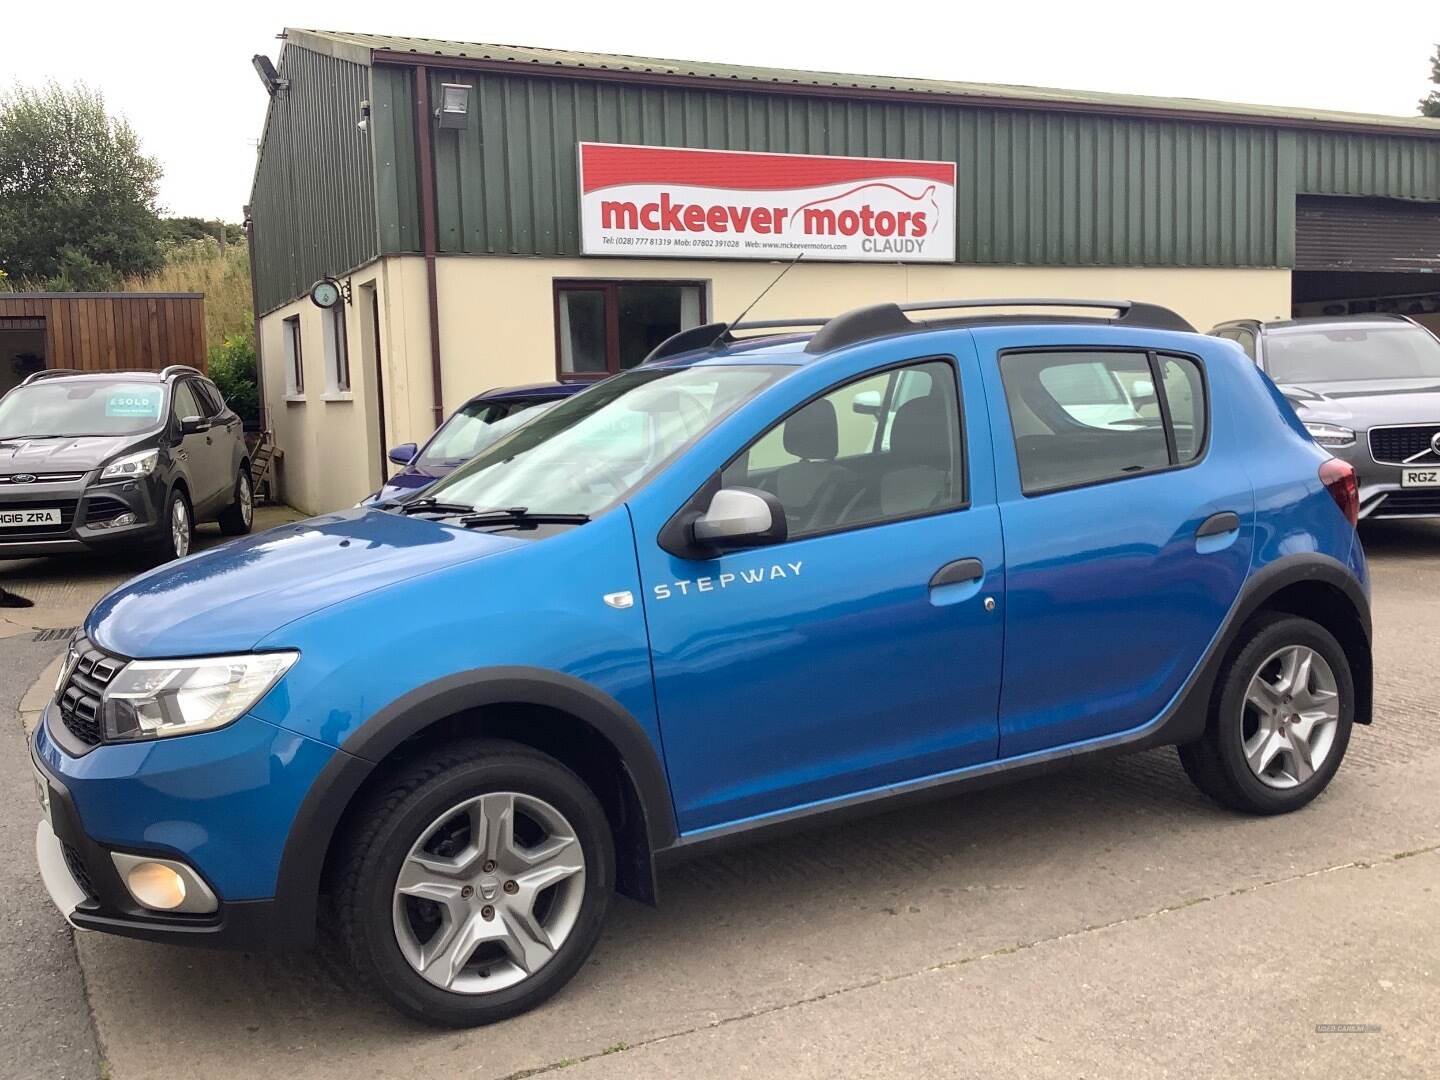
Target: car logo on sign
x=24 y=478
x=1435 y=442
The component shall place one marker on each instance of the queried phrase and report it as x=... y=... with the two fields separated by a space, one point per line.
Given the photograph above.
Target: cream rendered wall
x=327 y=439
x=497 y=322
x=497 y=328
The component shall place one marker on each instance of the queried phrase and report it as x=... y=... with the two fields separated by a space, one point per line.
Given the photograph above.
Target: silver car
x=1367 y=388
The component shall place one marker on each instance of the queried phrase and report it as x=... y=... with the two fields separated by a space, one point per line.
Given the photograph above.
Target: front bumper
x=87 y=515
x=222 y=802
x=1381 y=496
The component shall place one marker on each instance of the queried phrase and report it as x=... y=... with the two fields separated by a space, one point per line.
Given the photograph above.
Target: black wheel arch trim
x=298 y=883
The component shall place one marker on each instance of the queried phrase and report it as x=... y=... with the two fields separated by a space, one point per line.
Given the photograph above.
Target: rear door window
x=1089 y=416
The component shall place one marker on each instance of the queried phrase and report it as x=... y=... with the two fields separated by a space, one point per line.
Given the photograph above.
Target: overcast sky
x=181 y=71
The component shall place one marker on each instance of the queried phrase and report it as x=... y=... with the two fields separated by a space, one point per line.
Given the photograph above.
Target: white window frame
x=336 y=338
x=294 y=359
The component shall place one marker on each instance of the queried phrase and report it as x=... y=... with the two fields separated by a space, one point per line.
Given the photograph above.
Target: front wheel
x=240 y=514
x=176 y=534
x=1281 y=722
x=474 y=884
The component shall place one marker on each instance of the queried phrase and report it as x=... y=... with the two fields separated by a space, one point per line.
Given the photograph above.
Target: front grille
x=1397 y=445
x=1408 y=503
x=79 y=698
x=43 y=478
x=76 y=866
x=17 y=532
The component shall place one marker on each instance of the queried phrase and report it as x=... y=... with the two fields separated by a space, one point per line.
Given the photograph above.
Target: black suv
x=119 y=458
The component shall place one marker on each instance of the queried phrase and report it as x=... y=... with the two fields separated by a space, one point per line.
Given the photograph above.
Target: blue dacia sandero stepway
x=764 y=576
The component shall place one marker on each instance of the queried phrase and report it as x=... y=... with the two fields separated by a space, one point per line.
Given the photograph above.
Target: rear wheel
x=1281 y=722
x=475 y=884
x=236 y=519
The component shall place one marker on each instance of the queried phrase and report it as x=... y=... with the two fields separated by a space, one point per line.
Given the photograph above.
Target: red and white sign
x=648 y=201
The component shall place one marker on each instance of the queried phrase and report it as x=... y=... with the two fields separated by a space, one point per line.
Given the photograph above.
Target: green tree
x=77 y=193
x=1430 y=104
x=232 y=366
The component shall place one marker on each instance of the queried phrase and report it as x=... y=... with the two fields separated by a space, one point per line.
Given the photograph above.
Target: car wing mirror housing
x=193 y=425
x=718 y=520
x=403 y=454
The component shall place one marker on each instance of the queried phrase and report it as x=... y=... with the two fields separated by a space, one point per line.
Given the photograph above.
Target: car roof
x=785 y=344
x=1376 y=321
x=530 y=390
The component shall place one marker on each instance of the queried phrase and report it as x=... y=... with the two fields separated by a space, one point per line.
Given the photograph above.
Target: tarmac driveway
x=1106 y=922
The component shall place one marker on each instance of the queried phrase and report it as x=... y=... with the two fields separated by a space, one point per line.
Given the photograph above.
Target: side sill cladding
x=302 y=864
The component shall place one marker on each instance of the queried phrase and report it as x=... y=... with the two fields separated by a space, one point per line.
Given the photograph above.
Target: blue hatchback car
x=765 y=577
x=467 y=431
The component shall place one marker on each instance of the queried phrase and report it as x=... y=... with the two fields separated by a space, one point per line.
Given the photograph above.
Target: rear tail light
x=1339 y=479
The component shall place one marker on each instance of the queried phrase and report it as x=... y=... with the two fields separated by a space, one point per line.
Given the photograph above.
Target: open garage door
x=1357 y=256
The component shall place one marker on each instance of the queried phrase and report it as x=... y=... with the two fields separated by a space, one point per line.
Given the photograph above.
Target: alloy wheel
x=1290 y=716
x=180 y=528
x=247 y=501
x=489 y=893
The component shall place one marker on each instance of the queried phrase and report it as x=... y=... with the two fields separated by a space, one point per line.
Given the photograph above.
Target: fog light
x=164 y=884
x=156 y=886
x=126 y=518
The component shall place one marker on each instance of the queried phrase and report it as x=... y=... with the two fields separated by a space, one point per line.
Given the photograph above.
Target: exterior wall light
x=454 y=104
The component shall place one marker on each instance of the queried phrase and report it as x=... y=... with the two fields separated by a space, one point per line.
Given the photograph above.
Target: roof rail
x=180 y=368
x=718 y=334
x=49 y=373
x=882 y=320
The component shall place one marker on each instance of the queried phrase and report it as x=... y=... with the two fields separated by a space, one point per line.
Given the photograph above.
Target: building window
x=337 y=351
x=294 y=358
x=602 y=327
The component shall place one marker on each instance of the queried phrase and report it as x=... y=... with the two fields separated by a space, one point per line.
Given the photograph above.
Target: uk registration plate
x=1426 y=477
x=17 y=519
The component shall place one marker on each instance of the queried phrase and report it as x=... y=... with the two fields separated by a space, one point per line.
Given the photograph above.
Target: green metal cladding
x=1036 y=186
x=313 y=200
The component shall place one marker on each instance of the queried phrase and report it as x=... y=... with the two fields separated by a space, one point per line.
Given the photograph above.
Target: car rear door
x=1128 y=527
x=860 y=652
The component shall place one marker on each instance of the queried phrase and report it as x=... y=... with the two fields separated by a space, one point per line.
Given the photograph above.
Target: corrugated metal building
x=439 y=182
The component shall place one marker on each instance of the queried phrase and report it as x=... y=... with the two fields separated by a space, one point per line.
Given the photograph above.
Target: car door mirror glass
x=403 y=454
x=194 y=425
x=740 y=518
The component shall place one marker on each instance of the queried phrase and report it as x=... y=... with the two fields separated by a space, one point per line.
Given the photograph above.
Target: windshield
x=584 y=455
x=89 y=407
x=475 y=427
x=1342 y=353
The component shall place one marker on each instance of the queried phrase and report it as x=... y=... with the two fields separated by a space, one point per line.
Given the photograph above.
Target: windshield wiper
x=521 y=515
x=434 y=506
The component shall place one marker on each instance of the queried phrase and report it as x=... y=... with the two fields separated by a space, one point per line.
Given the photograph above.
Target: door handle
x=959 y=572
x=1218 y=525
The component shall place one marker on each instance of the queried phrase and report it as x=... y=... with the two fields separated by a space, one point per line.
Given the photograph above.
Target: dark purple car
x=470 y=428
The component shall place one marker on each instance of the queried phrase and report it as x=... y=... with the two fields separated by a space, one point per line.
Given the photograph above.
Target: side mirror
x=193 y=425
x=404 y=453
x=740 y=518
x=867 y=403
x=1143 y=388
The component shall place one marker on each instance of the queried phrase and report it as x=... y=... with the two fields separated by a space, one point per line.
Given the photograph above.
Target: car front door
x=863 y=650
x=1127 y=531
x=198 y=449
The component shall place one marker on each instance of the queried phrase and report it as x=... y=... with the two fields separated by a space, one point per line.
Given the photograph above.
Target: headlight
x=1330 y=434
x=131 y=466
x=150 y=699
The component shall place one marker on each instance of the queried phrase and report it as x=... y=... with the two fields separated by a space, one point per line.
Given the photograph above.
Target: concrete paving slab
x=1312 y=976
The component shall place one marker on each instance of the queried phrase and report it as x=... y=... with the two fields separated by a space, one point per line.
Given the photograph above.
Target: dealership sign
x=722 y=204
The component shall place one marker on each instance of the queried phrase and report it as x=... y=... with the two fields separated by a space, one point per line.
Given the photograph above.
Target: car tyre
x=426 y=857
x=1280 y=719
x=237 y=518
x=176 y=536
